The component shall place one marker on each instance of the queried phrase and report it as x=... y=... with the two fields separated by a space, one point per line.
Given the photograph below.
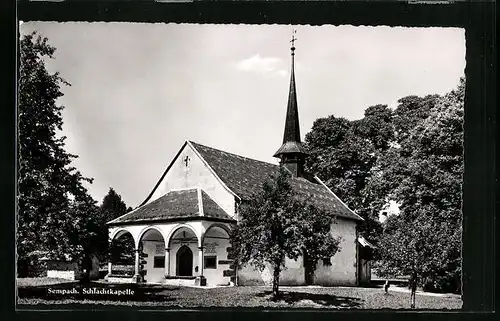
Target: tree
x=277 y=224
x=425 y=177
x=376 y=126
x=47 y=182
x=112 y=206
x=317 y=241
x=120 y=250
x=84 y=235
x=342 y=154
x=411 y=110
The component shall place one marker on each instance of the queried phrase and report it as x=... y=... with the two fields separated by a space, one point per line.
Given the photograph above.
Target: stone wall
x=62 y=270
x=342 y=270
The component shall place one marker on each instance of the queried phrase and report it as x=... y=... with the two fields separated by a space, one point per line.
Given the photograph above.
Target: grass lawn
x=173 y=297
x=34 y=282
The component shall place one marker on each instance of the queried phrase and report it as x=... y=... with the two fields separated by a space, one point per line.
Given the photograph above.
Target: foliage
x=342 y=154
x=425 y=176
x=411 y=155
x=112 y=206
x=276 y=224
x=52 y=200
x=411 y=111
x=315 y=237
x=121 y=250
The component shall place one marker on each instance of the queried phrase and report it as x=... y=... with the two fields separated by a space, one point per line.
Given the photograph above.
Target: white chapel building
x=183 y=225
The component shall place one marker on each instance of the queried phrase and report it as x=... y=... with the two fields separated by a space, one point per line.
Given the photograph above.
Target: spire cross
x=293 y=39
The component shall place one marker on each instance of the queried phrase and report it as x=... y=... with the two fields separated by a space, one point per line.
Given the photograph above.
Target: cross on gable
x=186 y=161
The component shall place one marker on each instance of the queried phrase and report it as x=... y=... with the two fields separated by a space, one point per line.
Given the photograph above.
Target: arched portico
x=116 y=255
x=207 y=261
x=217 y=266
x=151 y=255
x=225 y=227
x=148 y=230
x=186 y=253
x=181 y=228
x=117 y=233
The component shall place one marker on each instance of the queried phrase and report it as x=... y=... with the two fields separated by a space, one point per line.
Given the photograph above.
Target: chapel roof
x=244 y=177
x=180 y=204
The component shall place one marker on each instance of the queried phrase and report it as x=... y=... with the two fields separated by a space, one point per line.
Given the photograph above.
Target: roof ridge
x=233 y=154
x=199 y=196
x=210 y=198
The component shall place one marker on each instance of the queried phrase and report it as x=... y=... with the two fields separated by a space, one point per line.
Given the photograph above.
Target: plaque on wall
x=211 y=247
x=159 y=249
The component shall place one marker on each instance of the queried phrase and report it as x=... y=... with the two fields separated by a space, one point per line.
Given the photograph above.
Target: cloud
x=262 y=65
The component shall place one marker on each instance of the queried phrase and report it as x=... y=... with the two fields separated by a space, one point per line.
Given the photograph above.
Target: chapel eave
x=172 y=220
x=291 y=147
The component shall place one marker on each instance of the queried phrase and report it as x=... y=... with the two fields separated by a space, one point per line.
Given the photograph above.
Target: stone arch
x=146 y=229
x=120 y=255
x=224 y=227
x=120 y=232
x=178 y=227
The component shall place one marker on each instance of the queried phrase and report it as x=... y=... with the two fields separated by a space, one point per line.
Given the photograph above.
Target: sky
x=139 y=91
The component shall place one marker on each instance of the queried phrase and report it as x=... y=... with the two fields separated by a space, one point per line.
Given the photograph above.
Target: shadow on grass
x=371 y=285
x=326 y=300
x=98 y=292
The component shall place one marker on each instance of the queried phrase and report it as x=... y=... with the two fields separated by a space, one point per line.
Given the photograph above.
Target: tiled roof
x=244 y=176
x=211 y=209
x=175 y=205
x=322 y=197
x=291 y=148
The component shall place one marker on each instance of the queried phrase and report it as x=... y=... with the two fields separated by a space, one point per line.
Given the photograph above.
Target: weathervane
x=293 y=40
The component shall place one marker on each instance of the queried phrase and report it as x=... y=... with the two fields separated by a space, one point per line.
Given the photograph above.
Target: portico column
x=200 y=259
x=109 y=267
x=200 y=279
x=167 y=262
x=136 y=267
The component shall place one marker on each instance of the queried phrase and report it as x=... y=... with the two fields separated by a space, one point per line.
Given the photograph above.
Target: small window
x=327 y=262
x=159 y=262
x=210 y=262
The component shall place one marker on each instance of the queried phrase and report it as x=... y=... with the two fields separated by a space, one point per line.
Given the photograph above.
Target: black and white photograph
x=185 y=166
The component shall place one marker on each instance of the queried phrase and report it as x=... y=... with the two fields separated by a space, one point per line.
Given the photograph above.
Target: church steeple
x=292 y=153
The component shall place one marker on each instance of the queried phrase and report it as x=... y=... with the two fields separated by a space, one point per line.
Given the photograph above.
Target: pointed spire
x=292 y=128
x=292 y=152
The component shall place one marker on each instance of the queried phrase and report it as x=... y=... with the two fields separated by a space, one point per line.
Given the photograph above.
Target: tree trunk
x=276 y=282
x=86 y=266
x=413 y=289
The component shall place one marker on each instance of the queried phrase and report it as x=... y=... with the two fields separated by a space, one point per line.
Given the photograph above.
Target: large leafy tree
x=277 y=224
x=342 y=154
x=410 y=112
x=347 y=154
x=411 y=155
x=51 y=192
x=425 y=175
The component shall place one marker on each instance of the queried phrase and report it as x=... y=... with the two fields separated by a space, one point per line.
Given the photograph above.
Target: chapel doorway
x=184 y=261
